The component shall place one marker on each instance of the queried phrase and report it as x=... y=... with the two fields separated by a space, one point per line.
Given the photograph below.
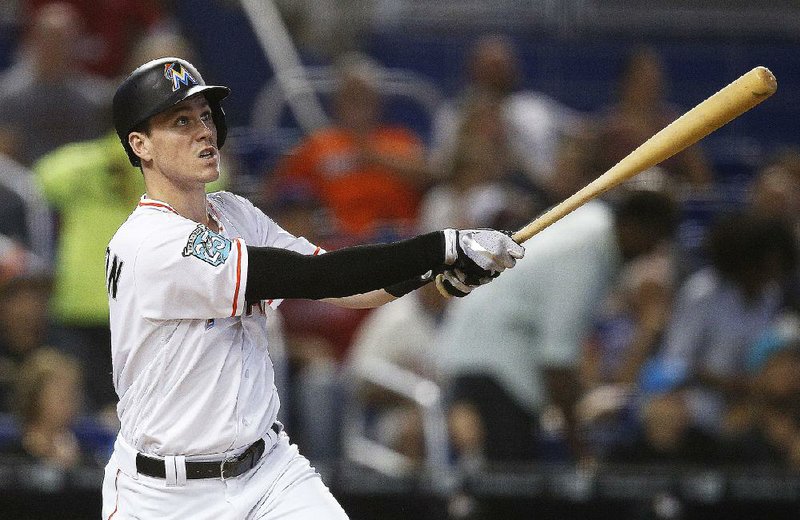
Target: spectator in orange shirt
x=369 y=174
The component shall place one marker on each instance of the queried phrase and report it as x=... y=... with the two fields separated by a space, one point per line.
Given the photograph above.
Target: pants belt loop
x=273 y=434
x=171 y=471
x=125 y=455
x=180 y=470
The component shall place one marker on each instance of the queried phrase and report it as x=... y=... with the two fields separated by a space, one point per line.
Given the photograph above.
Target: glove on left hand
x=481 y=253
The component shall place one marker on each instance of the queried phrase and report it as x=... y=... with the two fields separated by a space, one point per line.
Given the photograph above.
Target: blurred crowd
x=610 y=342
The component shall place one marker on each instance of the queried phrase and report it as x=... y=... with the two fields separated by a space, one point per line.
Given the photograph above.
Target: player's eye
x=206 y=117
x=181 y=121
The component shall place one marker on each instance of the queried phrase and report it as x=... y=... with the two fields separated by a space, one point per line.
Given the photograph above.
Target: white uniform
x=192 y=369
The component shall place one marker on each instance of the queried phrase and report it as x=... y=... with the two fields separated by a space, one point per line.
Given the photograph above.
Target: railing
x=391 y=83
x=424 y=394
x=559 y=491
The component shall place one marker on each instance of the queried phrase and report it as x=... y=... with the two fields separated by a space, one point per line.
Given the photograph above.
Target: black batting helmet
x=156 y=86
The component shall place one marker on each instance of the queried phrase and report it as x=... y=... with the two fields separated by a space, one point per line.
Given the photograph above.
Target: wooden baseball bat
x=732 y=101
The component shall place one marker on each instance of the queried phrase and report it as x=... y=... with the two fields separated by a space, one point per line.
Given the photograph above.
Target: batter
x=189 y=278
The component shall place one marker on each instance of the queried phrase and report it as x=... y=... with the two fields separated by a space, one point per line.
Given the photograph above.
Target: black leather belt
x=228 y=468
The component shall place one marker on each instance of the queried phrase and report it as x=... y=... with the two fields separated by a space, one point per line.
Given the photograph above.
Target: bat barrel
x=734 y=99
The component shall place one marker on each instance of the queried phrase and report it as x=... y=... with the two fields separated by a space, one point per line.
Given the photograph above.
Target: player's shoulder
x=230 y=202
x=151 y=218
x=232 y=205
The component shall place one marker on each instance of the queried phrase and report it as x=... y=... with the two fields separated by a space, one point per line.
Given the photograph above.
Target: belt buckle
x=222 y=467
x=248 y=453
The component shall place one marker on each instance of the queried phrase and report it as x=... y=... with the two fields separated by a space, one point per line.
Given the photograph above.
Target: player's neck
x=191 y=204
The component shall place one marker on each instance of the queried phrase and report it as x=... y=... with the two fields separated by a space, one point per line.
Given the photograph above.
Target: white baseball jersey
x=191 y=365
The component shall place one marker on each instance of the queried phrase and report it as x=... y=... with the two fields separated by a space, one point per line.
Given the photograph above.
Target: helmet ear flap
x=218 y=115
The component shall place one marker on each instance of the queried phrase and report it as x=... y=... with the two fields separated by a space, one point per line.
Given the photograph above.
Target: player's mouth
x=208 y=153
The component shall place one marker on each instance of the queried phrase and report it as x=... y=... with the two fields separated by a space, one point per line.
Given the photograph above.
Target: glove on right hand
x=454 y=281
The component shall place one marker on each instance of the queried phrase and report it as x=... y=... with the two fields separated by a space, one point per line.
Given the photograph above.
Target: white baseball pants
x=282 y=486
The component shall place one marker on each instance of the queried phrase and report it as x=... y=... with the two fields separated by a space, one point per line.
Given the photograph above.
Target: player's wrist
x=401 y=289
x=450 y=246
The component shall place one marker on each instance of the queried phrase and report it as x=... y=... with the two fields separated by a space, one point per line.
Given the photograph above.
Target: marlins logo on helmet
x=178 y=75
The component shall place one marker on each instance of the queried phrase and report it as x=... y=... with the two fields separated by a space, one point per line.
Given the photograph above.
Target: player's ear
x=140 y=144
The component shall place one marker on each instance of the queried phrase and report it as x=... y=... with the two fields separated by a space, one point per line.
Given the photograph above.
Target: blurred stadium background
x=570 y=50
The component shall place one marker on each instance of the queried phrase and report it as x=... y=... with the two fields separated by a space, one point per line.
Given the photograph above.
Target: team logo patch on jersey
x=178 y=75
x=208 y=246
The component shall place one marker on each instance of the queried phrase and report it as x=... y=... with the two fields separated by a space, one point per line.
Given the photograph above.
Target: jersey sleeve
x=259 y=229
x=190 y=272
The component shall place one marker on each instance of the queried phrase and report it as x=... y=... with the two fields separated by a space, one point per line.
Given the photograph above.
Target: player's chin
x=209 y=169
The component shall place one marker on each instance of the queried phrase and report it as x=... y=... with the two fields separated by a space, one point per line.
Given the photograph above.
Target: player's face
x=183 y=142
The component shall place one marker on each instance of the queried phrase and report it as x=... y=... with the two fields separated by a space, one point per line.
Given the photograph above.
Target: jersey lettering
x=208 y=246
x=113 y=271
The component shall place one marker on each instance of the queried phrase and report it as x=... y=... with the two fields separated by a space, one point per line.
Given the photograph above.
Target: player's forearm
x=363 y=301
x=278 y=273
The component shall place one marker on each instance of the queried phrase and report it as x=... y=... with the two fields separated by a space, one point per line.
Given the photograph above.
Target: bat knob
x=440 y=286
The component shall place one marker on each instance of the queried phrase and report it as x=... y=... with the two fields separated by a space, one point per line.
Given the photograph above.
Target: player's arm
x=274 y=273
x=363 y=301
x=382 y=296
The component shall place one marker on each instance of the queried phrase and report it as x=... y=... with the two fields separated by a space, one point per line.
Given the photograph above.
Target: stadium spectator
x=625 y=333
x=723 y=309
x=483 y=185
x=24 y=318
x=92 y=186
x=533 y=324
x=48 y=400
x=47 y=84
x=667 y=435
x=110 y=30
x=629 y=324
x=24 y=216
x=763 y=426
x=775 y=193
x=534 y=123
x=640 y=110
x=367 y=173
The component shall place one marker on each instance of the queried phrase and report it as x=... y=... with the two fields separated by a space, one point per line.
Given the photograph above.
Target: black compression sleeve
x=274 y=273
x=406 y=286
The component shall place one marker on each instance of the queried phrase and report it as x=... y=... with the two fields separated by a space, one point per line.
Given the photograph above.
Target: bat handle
x=440 y=286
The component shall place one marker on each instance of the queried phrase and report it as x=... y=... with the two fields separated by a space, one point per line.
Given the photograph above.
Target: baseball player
x=189 y=277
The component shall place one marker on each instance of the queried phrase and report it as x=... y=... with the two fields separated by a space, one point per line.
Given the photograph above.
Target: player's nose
x=205 y=128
